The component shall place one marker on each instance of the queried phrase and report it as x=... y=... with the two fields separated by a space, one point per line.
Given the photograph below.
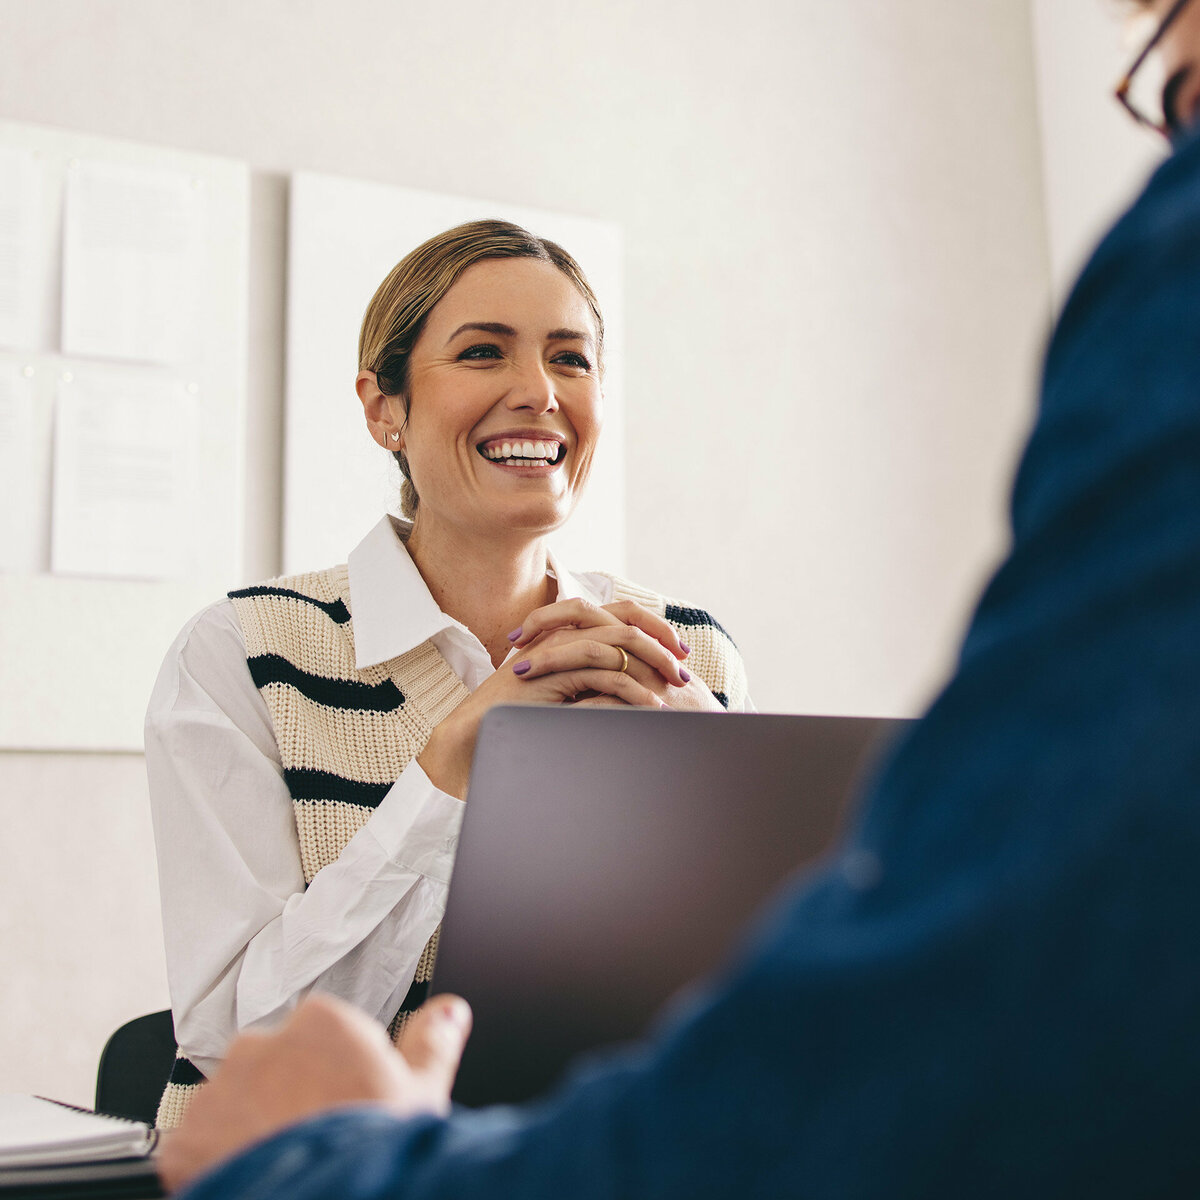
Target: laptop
x=608 y=857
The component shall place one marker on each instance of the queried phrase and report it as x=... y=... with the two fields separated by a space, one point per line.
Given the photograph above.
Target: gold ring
x=624 y=660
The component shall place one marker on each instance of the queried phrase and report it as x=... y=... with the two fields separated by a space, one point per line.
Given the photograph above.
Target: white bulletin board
x=123 y=279
x=345 y=236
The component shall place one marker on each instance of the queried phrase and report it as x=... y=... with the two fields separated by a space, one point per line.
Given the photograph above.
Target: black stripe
x=416 y=995
x=333 y=693
x=334 y=609
x=679 y=615
x=185 y=1072
x=722 y=699
x=307 y=784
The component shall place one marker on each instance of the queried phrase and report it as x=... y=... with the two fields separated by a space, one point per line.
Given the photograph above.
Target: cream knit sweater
x=345 y=735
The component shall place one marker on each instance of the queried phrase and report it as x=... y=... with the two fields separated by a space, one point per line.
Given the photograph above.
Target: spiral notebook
x=55 y=1151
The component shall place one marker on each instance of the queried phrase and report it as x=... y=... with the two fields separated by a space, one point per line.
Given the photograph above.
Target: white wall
x=79 y=927
x=836 y=276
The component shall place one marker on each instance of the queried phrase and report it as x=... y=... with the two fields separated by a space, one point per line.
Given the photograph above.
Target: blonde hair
x=398 y=310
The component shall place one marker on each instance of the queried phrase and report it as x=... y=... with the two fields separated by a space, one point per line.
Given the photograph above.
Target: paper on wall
x=20 y=232
x=125 y=474
x=132 y=267
x=18 y=536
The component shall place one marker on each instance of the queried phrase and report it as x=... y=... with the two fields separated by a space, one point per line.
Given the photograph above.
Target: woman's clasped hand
x=573 y=652
x=656 y=655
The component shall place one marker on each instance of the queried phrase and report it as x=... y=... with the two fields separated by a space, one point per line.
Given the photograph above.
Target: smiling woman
x=309 y=740
x=509 y=411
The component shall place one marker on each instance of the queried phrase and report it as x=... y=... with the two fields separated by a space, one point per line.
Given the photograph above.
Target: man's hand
x=325 y=1055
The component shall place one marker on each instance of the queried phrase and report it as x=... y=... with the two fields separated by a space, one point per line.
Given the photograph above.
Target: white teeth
x=522 y=451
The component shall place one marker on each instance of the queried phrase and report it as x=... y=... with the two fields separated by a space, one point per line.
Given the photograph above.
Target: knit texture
x=345 y=735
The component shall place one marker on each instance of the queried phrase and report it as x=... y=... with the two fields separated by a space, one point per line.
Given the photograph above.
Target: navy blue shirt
x=995 y=990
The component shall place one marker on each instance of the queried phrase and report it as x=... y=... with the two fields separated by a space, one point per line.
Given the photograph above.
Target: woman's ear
x=380 y=412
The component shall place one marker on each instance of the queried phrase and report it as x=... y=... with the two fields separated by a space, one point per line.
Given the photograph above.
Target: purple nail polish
x=521 y=667
x=685 y=647
x=685 y=675
x=516 y=633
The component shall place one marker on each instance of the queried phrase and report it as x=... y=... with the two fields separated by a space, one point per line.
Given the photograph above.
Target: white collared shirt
x=245 y=940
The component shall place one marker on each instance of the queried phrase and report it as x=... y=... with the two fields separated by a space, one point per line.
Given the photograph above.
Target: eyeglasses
x=1151 y=101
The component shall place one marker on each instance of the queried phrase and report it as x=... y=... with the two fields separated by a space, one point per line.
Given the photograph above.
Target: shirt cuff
x=416 y=824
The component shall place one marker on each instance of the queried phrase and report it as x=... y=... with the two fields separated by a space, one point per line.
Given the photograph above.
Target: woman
x=309 y=741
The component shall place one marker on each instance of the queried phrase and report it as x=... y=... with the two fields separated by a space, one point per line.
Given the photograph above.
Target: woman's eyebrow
x=567 y=335
x=483 y=327
x=555 y=335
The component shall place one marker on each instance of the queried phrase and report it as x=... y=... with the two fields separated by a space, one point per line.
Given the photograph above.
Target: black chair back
x=134 y=1066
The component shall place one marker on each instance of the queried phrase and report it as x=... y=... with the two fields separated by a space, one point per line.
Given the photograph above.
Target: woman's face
x=503 y=400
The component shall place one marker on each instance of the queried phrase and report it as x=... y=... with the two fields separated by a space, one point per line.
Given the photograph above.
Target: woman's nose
x=534 y=390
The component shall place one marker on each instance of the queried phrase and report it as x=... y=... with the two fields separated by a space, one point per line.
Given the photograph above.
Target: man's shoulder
x=1161 y=225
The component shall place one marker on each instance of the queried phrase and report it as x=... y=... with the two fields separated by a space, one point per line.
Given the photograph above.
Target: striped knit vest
x=345 y=734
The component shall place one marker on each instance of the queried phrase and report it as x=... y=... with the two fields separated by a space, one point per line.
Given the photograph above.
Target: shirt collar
x=570 y=586
x=393 y=609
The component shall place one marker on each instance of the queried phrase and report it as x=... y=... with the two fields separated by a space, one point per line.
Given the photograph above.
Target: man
x=996 y=989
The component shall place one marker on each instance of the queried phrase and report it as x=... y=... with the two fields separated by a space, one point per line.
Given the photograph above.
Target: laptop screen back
x=610 y=856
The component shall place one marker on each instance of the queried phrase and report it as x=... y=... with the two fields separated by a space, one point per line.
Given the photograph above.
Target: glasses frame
x=1121 y=91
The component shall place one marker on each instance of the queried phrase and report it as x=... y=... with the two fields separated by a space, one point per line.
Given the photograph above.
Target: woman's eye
x=483 y=350
x=571 y=359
